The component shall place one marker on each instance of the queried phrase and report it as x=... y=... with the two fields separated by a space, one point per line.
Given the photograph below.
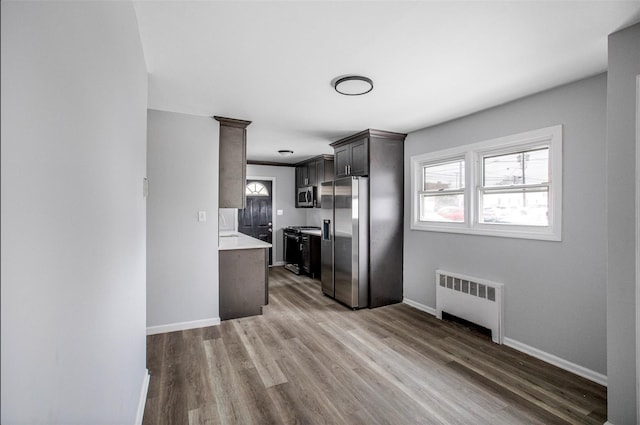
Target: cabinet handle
x=346 y=173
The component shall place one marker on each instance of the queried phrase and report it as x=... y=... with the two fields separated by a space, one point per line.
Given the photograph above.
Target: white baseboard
x=608 y=423
x=278 y=263
x=143 y=397
x=557 y=361
x=419 y=306
x=183 y=326
x=534 y=352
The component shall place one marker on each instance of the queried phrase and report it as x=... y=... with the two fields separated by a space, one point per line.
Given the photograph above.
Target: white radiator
x=477 y=300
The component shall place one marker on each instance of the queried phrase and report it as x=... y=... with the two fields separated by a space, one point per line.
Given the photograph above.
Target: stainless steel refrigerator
x=345 y=240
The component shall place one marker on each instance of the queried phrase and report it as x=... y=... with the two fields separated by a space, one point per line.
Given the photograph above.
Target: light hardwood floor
x=310 y=360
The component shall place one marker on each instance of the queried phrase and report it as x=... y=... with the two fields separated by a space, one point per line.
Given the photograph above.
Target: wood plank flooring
x=310 y=360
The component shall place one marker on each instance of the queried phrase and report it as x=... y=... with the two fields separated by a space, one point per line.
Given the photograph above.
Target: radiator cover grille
x=474 y=299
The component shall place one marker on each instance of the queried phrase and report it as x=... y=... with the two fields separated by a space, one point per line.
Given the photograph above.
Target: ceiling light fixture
x=285 y=152
x=353 y=85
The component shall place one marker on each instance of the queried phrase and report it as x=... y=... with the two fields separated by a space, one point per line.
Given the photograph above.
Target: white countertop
x=235 y=240
x=315 y=232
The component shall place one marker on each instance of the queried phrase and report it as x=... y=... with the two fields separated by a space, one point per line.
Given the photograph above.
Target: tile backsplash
x=227 y=219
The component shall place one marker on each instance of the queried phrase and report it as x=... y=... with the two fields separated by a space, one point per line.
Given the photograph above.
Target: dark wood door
x=256 y=219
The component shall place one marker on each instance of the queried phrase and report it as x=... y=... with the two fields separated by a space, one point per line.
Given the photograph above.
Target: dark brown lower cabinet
x=244 y=282
x=311 y=255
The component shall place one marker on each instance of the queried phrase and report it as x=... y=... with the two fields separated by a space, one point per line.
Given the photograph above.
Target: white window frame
x=473 y=154
x=443 y=160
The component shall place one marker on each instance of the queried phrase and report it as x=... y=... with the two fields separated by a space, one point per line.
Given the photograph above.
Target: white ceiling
x=273 y=62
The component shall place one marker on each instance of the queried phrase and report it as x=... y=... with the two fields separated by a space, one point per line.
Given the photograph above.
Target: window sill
x=517 y=232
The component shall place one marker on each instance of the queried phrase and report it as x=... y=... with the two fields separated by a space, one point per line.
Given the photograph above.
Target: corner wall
x=554 y=291
x=182 y=253
x=624 y=66
x=74 y=96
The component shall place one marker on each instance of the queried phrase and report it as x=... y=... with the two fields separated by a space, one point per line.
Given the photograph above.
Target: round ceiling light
x=353 y=85
x=285 y=152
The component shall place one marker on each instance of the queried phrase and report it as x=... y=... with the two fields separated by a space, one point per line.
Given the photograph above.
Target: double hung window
x=511 y=187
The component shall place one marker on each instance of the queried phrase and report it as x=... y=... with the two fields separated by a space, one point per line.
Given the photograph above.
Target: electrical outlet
x=202 y=216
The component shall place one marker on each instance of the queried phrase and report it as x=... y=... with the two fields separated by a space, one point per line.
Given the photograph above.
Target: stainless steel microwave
x=307 y=196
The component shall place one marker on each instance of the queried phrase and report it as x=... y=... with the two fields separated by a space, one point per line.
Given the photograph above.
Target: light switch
x=279 y=212
x=202 y=216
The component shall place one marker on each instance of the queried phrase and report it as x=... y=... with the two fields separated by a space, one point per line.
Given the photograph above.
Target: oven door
x=291 y=248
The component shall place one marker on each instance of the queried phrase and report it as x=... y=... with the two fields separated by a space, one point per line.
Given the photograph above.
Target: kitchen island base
x=244 y=282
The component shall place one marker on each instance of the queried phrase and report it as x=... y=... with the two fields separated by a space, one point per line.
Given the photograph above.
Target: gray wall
x=182 y=253
x=74 y=95
x=316 y=215
x=285 y=201
x=624 y=66
x=554 y=291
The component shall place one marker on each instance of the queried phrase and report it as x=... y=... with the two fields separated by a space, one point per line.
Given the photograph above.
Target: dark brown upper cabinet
x=352 y=158
x=313 y=172
x=353 y=154
x=233 y=162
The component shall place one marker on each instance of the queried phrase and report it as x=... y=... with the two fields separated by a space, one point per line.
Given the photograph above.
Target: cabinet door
x=232 y=167
x=341 y=159
x=315 y=256
x=299 y=181
x=319 y=166
x=328 y=171
x=305 y=260
x=359 y=158
x=302 y=176
x=312 y=173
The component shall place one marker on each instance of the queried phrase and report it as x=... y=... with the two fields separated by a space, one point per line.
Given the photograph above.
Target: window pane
x=445 y=208
x=530 y=167
x=444 y=176
x=536 y=169
x=528 y=208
